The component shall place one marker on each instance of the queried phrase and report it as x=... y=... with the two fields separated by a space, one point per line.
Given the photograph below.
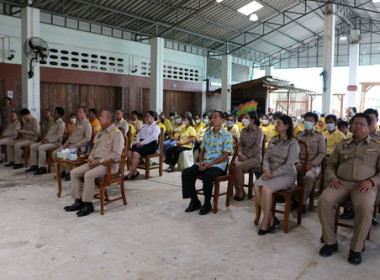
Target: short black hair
x=60 y=111
x=152 y=113
x=312 y=115
x=93 y=110
x=331 y=116
x=206 y=115
x=232 y=116
x=135 y=113
x=362 y=115
x=287 y=121
x=221 y=114
x=121 y=110
x=84 y=109
x=371 y=111
x=343 y=123
x=24 y=112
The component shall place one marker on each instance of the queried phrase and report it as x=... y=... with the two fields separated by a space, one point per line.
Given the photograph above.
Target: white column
x=30 y=27
x=328 y=65
x=226 y=83
x=156 y=97
x=204 y=86
x=353 y=99
x=268 y=70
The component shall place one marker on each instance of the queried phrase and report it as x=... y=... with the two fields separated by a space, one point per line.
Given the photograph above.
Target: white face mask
x=295 y=124
x=330 y=126
x=73 y=120
x=245 y=122
x=185 y=122
x=264 y=122
x=198 y=121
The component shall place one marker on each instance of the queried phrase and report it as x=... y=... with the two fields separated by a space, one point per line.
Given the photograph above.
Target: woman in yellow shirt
x=185 y=142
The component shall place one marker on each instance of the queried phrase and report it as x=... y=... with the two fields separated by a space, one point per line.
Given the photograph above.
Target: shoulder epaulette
x=116 y=130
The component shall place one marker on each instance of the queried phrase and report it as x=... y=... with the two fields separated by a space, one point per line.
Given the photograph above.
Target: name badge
x=346 y=146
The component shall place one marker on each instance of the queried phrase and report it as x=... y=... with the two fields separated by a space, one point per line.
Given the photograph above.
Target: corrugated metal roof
x=211 y=25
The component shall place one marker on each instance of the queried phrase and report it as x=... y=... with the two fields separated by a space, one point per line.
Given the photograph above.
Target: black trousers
x=172 y=154
x=189 y=176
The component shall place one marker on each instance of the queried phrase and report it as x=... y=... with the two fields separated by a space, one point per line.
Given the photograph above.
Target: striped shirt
x=215 y=144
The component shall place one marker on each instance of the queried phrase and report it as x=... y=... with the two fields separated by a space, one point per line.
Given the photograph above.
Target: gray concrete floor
x=153 y=238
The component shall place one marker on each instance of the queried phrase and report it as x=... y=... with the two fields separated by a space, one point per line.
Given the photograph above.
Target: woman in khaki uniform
x=249 y=155
x=279 y=170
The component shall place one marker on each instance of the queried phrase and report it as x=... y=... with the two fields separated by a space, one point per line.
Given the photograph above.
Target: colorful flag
x=243 y=109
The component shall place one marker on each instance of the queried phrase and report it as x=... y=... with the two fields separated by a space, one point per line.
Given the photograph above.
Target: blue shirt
x=215 y=144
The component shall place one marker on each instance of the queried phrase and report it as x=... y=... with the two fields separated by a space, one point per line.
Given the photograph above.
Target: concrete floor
x=153 y=238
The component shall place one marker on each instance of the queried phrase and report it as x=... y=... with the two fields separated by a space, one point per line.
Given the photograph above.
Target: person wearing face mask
x=332 y=134
x=296 y=128
x=173 y=137
x=231 y=126
x=317 y=151
x=200 y=131
x=249 y=154
x=167 y=123
x=185 y=142
x=267 y=128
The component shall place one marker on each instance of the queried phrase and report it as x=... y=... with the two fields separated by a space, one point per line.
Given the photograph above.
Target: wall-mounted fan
x=36 y=50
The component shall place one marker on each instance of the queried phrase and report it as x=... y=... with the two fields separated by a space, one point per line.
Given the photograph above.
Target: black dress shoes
x=87 y=209
x=354 y=258
x=350 y=214
x=327 y=250
x=193 y=206
x=67 y=177
x=32 y=169
x=18 y=166
x=40 y=171
x=12 y=163
x=237 y=198
x=205 y=209
x=78 y=205
x=374 y=221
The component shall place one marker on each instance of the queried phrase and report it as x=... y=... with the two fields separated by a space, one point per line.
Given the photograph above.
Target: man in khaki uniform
x=47 y=122
x=52 y=140
x=353 y=172
x=79 y=137
x=109 y=143
x=29 y=135
x=120 y=122
x=317 y=151
x=10 y=132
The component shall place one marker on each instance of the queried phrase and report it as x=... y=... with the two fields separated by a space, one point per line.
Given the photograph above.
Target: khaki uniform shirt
x=316 y=146
x=354 y=162
x=375 y=135
x=12 y=130
x=81 y=133
x=47 y=124
x=123 y=124
x=250 y=142
x=31 y=129
x=55 y=132
x=109 y=144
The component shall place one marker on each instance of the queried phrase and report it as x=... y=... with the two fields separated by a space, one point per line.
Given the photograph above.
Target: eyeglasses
x=359 y=124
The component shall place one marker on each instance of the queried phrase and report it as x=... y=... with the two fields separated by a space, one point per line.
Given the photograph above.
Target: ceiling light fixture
x=253 y=17
x=218 y=1
x=342 y=38
x=250 y=8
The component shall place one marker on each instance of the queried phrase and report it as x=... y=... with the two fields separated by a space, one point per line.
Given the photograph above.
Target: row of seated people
x=352 y=172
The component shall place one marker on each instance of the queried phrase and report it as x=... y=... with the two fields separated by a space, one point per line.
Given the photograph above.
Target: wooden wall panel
x=2 y=89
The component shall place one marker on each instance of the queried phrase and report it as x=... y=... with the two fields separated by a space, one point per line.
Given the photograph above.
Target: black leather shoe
x=205 y=209
x=78 y=204
x=294 y=205
x=237 y=198
x=12 y=163
x=354 y=257
x=193 y=206
x=350 y=214
x=327 y=250
x=18 y=166
x=276 y=221
x=262 y=232
x=374 y=222
x=87 y=209
x=32 y=168
x=40 y=171
x=63 y=174
x=67 y=177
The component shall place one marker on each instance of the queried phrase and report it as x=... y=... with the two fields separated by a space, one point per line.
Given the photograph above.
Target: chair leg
x=101 y=196
x=311 y=198
x=288 y=199
x=250 y=185
x=229 y=193
x=258 y=213
x=50 y=160
x=160 y=166
x=337 y=211
x=106 y=197
x=122 y=190
x=147 y=168
x=216 y=198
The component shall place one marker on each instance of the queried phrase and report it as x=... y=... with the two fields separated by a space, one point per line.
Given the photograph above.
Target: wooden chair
x=296 y=190
x=160 y=155
x=321 y=179
x=26 y=148
x=223 y=178
x=110 y=179
x=252 y=171
x=130 y=139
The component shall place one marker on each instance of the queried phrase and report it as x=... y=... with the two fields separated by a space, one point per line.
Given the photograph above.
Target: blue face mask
x=230 y=123
x=330 y=126
x=205 y=121
x=308 y=125
x=177 y=121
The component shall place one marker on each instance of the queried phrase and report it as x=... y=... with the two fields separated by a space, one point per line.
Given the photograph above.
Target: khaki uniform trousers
x=4 y=141
x=309 y=181
x=362 y=203
x=38 y=153
x=14 y=149
x=84 y=172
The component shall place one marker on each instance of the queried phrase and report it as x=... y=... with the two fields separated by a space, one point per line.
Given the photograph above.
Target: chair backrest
x=123 y=155
x=301 y=174
x=161 y=141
